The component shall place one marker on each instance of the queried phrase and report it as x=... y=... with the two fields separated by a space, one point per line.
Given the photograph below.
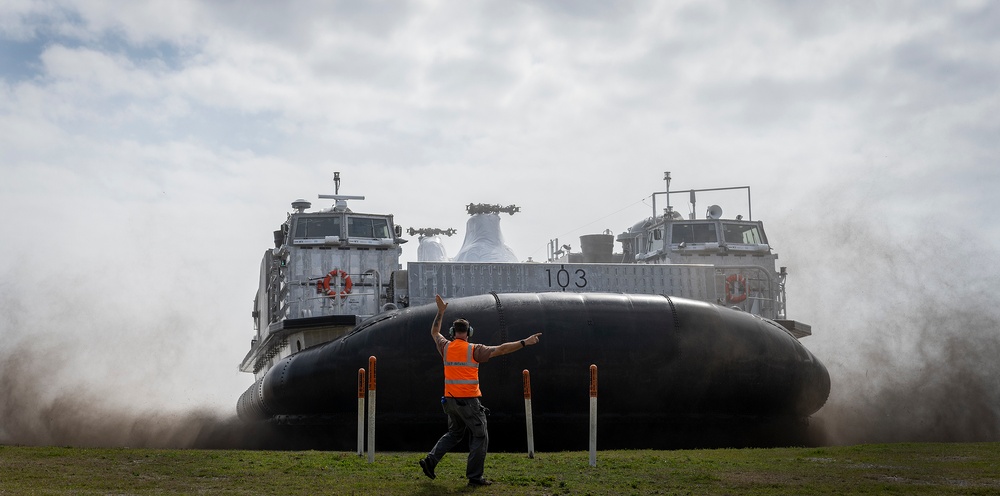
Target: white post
x=593 y=415
x=361 y=411
x=527 y=413
x=371 y=409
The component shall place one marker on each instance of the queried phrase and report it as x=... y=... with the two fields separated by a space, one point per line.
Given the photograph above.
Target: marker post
x=371 y=409
x=361 y=411
x=527 y=413
x=593 y=415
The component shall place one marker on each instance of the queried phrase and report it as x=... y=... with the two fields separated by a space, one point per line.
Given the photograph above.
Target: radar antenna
x=341 y=204
x=486 y=208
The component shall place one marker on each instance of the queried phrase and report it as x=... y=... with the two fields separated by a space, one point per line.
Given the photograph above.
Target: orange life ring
x=736 y=288
x=348 y=284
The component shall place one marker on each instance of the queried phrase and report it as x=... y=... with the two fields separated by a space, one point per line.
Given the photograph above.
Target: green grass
x=929 y=468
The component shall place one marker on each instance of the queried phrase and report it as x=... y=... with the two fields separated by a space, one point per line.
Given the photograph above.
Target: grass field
x=927 y=468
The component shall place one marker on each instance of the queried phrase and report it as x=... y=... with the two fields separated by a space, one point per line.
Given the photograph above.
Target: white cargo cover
x=484 y=242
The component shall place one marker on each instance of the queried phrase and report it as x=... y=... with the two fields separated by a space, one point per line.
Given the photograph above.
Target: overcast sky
x=149 y=149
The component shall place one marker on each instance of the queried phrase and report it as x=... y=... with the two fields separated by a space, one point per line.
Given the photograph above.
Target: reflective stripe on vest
x=461 y=371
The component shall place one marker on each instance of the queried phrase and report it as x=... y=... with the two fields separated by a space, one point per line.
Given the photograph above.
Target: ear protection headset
x=451 y=330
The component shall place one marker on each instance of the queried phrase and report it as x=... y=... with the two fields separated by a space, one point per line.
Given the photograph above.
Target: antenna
x=341 y=204
x=667 y=212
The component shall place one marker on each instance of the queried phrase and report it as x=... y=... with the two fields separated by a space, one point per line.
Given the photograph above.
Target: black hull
x=672 y=373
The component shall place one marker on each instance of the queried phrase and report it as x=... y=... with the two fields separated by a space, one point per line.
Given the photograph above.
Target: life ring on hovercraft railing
x=736 y=288
x=348 y=284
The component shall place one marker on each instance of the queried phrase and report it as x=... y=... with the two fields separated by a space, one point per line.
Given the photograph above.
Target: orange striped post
x=371 y=409
x=361 y=411
x=527 y=413
x=593 y=415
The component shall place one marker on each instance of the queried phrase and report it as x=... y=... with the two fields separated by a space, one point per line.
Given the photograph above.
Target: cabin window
x=317 y=227
x=747 y=234
x=685 y=232
x=365 y=227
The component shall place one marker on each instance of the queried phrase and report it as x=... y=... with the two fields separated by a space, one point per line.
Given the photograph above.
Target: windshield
x=366 y=227
x=748 y=234
x=689 y=232
x=317 y=227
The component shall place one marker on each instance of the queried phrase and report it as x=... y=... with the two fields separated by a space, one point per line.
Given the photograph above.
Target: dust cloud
x=36 y=411
x=907 y=322
x=85 y=364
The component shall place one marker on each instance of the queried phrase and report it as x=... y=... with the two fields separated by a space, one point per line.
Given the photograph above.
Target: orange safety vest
x=461 y=371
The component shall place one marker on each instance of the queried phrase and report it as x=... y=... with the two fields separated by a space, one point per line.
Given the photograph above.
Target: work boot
x=428 y=464
x=482 y=481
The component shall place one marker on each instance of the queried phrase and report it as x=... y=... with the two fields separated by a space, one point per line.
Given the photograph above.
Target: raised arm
x=516 y=345
x=436 y=327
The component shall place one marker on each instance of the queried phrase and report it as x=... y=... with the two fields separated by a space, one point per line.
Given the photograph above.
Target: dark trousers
x=465 y=414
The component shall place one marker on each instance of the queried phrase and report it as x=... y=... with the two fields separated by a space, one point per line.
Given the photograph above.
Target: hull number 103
x=564 y=278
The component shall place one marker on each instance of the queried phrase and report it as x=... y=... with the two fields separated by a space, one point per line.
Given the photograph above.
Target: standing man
x=461 y=393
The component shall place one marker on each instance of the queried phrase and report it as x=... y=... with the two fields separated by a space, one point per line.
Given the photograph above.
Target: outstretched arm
x=516 y=345
x=436 y=327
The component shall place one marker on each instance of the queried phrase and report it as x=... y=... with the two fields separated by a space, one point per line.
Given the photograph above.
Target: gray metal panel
x=450 y=279
x=307 y=266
